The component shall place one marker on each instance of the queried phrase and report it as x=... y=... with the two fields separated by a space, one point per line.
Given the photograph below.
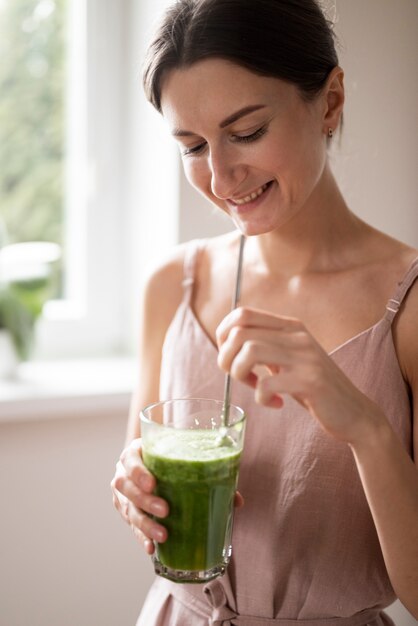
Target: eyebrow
x=178 y=132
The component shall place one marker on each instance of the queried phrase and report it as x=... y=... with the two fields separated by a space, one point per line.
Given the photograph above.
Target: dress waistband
x=219 y=613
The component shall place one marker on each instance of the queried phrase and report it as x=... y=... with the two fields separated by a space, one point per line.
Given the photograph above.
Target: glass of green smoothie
x=195 y=459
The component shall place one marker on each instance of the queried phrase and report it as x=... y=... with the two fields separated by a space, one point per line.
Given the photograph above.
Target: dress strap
x=189 y=268
x=393 y=305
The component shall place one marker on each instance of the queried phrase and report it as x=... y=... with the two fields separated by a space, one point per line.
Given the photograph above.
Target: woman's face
x=250 y=144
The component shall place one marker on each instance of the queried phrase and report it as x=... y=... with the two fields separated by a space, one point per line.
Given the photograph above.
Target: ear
x=333 y=93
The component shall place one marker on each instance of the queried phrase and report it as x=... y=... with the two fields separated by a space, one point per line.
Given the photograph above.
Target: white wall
x=377 y=163
x=65 y=557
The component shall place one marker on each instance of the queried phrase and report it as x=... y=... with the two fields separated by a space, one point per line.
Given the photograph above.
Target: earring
x=330 y=133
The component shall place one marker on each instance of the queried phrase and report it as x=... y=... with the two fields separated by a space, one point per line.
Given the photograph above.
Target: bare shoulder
x=213 y=271
x=161 y=295
x=386 y=261
x=163 y=288
x=406 y=342
x=405 y=332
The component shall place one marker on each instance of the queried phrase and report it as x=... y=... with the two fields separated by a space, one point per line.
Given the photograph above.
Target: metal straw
x=235 y=301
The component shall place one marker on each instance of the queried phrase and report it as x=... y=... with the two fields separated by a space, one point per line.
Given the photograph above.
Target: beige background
x=65 y=558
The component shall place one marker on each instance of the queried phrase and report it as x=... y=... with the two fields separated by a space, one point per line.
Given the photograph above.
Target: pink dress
x=304 y=545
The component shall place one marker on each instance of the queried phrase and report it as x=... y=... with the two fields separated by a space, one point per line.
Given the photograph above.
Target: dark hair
x=286 y=39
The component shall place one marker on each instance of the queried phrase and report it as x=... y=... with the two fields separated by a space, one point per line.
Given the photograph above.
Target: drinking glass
x=195 y=459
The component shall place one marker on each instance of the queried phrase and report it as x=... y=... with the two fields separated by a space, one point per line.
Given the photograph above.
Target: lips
x=251 y=196
x=251 y=200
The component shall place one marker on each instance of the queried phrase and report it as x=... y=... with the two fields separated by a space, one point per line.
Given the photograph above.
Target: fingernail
x=158 y=509
x=149 y=546
x=159 y=535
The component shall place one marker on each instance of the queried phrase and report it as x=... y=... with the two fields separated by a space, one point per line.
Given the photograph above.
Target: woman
x=253 y=94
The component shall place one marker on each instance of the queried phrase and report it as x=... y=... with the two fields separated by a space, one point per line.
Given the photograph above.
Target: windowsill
x=64 y=389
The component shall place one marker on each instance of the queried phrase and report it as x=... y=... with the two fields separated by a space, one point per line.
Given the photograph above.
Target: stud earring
x=330 y=133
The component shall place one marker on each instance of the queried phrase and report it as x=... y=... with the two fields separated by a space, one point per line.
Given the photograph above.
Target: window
x=110 y=165
x=32 y=121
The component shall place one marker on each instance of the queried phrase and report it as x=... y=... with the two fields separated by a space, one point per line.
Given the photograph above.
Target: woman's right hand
x=132 y=487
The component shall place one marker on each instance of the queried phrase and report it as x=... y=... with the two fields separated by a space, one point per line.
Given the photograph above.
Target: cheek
x=313 y=158
x=304 y=161
x=195 y=175
x=198 y=175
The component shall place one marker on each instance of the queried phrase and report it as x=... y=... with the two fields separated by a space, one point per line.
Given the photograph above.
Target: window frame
x=120 y=219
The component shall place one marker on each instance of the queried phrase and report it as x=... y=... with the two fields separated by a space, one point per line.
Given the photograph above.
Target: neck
x=318 y=237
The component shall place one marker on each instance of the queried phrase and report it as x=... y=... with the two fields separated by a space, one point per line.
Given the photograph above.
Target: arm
x=390 y=482
x=300 y=367
x=132 y=485
x=392 y=492
x=160 y=300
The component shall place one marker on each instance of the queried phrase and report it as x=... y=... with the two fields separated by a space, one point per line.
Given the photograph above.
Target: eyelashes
x=253 y=137
x=196 y=150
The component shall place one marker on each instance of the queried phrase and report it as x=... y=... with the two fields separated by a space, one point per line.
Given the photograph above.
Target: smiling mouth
x=252 y=196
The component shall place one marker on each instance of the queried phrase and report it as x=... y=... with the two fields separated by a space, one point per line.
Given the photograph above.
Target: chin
x=251 y=228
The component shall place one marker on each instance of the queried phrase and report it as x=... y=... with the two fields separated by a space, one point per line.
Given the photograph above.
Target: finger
x=248 y=317
x=269 y=390
x=146 y=502
x=149 y=527
x=267 y=394
x=280 y=345
x=144 y=541
x=238 y=500
x=121 y=504
x=241 y=359
x=126 y=490
x=137 y=520
x=134 y=468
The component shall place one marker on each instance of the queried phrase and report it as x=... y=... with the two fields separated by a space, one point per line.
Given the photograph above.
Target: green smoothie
x=196 y=473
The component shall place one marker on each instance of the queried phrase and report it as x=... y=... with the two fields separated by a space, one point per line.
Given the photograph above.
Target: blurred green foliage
x=18 y=319
x=32 y=148
x=32 y=118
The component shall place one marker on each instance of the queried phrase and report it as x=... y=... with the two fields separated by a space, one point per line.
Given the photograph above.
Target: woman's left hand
x=297 y=366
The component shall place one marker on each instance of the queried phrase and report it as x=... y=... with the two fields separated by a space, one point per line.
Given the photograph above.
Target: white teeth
x=251 y=196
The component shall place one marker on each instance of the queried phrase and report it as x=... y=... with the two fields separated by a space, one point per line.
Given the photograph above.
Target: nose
x=227 y=172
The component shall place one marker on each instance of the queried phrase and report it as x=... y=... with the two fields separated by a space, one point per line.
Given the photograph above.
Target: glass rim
x=143 y=417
